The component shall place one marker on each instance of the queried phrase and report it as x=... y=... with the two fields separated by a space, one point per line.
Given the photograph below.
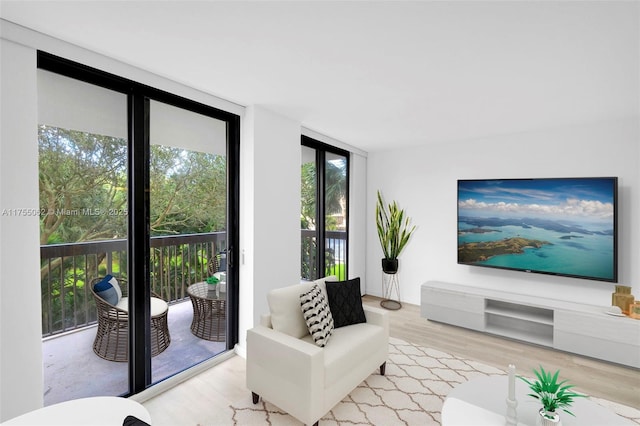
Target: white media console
x=571 y=327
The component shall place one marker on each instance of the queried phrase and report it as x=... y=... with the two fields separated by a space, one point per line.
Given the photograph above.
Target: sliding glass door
x=140 y=185
x=188 y=241
x=83 y=177
x=324 y=210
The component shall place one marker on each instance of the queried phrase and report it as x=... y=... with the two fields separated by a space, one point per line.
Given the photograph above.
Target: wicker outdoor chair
x=213 y=265
x=112 y=336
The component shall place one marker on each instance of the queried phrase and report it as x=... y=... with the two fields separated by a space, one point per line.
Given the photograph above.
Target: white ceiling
x=373 y=74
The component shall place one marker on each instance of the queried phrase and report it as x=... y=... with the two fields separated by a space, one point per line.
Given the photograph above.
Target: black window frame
x=321 y=149
x=138 y=99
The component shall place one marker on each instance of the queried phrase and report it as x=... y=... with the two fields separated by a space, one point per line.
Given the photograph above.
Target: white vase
x=548 y=418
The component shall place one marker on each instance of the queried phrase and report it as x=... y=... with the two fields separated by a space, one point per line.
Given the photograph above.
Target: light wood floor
x=208 y=395
x=602 y=379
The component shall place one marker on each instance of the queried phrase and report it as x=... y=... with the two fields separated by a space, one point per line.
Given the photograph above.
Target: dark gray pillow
x=345 y=302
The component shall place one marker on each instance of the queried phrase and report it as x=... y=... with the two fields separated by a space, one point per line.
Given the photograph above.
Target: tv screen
x=559 y=226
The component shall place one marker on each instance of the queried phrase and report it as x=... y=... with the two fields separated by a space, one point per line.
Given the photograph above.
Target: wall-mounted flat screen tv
x=559 y=226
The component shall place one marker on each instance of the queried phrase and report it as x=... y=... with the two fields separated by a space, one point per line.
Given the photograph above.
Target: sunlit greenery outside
x=83 y=197
x=335 y=193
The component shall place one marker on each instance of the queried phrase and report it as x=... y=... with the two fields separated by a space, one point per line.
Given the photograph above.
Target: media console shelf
x=572 y=327
x=520 y=322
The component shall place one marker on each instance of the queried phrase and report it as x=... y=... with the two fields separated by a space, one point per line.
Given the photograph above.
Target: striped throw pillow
x=317 y=315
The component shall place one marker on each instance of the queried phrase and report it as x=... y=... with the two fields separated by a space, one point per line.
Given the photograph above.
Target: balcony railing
x=66 y=269
x=335 y=254
x=176 y=262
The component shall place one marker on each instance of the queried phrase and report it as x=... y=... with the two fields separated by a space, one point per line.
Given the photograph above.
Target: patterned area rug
x=416 y=383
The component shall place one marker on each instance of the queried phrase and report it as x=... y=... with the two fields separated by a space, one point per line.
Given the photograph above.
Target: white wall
x=270 y=230
x=357 y=222
x=270 y=206
x=270 y=210
x=21 y=377
x=423 y=181
x=20 y=318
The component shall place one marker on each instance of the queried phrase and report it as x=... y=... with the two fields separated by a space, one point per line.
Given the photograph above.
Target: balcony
x=71 y=368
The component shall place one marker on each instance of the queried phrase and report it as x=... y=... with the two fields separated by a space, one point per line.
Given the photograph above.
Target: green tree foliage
x=83 y=188
x=308 y=196
x=83 y=197
x=335 y=186
x=81 y=174
x=335 y=193
x=188 y=191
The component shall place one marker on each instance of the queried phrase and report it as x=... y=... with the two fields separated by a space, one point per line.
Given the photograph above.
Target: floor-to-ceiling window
x=142 y=185
x=188 y=238
x=324 y=210
x=83 y=179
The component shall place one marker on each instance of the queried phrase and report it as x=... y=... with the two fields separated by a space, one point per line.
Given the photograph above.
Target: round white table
x=482 y=401
x=95 y=411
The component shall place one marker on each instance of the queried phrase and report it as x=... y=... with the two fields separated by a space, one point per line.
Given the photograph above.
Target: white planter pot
x=548 y=418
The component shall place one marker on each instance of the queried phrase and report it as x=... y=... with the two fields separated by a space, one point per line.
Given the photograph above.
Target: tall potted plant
x=553 y=395
x=394 y=231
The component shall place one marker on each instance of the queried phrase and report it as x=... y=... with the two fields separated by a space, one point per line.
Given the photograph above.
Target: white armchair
x=286 y=367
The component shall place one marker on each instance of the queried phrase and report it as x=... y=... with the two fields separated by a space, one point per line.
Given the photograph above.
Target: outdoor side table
x=209 y=312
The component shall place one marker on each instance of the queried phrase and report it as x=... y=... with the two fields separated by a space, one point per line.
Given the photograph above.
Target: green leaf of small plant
x=552 y=394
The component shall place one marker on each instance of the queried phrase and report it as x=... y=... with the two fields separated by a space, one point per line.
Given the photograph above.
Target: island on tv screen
x=563 y=226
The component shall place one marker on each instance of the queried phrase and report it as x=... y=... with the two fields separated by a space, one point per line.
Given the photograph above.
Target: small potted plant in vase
x=394 y=232
x=552 y=394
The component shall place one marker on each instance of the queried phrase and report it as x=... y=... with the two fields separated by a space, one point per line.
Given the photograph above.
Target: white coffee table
x=482 y=401
x=95 y=411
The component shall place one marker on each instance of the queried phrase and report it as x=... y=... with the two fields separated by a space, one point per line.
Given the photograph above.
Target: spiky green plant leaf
x=394 y=229
x=553 y=395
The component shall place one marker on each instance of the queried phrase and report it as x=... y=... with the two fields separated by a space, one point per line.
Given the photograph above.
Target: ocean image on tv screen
x=557 y=226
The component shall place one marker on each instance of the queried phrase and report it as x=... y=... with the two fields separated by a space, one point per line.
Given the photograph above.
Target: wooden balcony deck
x=72 y=370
